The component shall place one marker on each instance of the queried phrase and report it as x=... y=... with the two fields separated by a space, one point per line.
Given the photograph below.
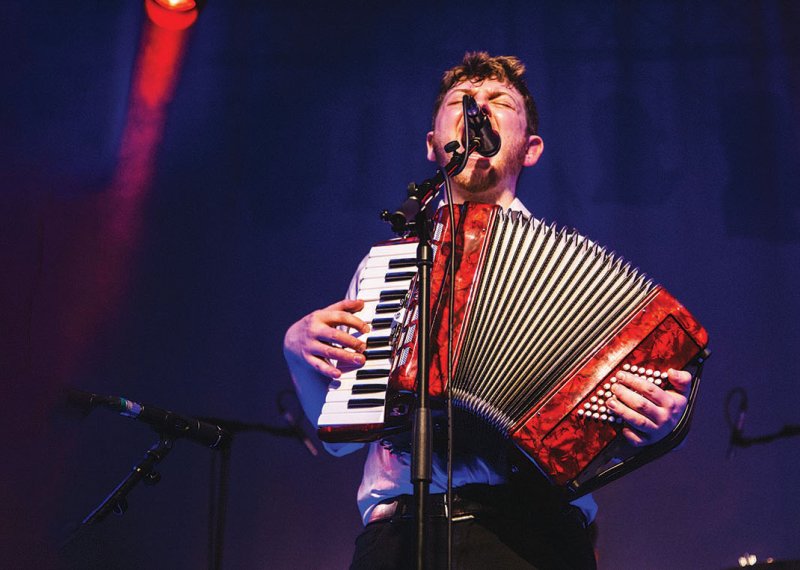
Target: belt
x=470 y=502
x=404 y=507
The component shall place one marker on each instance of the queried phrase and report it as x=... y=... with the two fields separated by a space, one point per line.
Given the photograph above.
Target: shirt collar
x=515 y=206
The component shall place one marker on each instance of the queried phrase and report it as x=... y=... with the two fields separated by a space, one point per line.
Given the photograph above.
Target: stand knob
x=152 y=478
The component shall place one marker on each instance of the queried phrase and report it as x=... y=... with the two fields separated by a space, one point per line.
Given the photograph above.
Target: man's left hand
x=650 y=412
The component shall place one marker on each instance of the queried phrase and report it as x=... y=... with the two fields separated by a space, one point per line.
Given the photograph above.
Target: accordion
x=543 y=318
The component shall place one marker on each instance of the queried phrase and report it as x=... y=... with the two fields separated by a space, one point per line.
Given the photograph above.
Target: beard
x=480 y=180
x=476 y=181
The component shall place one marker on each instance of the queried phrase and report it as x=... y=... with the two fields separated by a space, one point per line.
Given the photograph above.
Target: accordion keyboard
x=358 y=397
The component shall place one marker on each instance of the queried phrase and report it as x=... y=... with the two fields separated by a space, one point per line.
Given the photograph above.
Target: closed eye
x=503 y=102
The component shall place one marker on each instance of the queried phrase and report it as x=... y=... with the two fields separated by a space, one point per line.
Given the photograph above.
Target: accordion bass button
x=626 y=366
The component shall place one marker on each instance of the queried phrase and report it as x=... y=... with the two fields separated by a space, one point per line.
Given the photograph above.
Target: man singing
x=504 y=520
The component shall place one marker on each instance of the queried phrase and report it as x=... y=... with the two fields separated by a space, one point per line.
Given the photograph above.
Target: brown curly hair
x=478 y=66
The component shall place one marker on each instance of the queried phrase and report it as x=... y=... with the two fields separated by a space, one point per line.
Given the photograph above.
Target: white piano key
x=345 y=394
x=383 y=270
x=351 y=417
x=342 y=408
x=367 y=313
x=381 y=284
x=369 y=365
x=408 y=249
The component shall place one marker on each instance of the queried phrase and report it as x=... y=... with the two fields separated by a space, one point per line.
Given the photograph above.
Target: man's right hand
x=315 y=340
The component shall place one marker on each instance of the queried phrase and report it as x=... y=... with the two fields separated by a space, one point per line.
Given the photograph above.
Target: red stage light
x=172 y=14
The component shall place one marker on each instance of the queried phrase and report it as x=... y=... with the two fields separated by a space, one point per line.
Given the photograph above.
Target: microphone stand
x=220 y=478
x=117 y=502
x=417 y=207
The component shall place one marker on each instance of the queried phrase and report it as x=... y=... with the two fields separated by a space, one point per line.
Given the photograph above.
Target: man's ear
x=533 y=151
x=429 y=143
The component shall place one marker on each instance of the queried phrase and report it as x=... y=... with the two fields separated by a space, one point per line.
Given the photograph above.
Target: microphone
x=298 y=431
x=163 y=421
x=481 y=128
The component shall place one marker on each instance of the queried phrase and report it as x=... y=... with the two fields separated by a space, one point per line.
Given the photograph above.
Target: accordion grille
x=545 y=298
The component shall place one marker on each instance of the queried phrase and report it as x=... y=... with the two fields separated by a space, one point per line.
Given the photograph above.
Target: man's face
x=505 y=107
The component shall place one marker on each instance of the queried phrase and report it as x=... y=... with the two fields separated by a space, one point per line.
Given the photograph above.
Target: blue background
x=672 y=135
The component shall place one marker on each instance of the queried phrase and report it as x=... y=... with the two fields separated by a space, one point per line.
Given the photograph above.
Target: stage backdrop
x=172 y=202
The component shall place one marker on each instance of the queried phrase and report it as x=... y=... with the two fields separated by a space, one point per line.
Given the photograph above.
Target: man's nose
x=483 y=103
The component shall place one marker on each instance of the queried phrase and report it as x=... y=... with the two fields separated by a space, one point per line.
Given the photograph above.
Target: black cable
x=733 y=422
x=736 y=424
x=449 y=377
x=451 y=304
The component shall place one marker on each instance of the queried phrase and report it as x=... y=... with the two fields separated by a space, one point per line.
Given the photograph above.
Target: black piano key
x=377 y=353
x=399 y=276
x=393 y=295
x=398 y=263
x=384 y=308
x=365 y=403
x=369 y=388
x=366 y=373
x=374 y=341
x=382 y=323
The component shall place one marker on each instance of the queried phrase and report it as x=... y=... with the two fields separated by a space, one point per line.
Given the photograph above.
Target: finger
x=681 y=380
x=635 y=410
x=350 y=320
x=330 y=335
x=340 y=355
x=636 y=439
x=321 y=355
x=349 y=305
x=643 y=387
x=336 y=318
x=321 y=365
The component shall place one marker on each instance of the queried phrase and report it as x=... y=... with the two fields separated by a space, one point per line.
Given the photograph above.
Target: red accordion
x=543 y=319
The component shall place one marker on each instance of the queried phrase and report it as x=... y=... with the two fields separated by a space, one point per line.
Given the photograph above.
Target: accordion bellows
x=542 y=320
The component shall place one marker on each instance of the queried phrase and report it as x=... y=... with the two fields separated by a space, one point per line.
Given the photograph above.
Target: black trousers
x=515 y=531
